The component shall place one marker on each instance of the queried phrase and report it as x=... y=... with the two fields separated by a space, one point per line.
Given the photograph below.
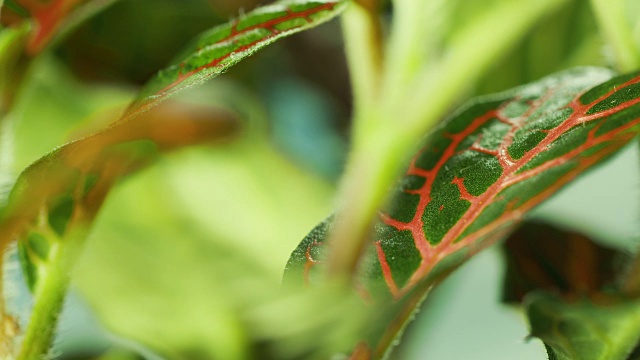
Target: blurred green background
x=182 y=251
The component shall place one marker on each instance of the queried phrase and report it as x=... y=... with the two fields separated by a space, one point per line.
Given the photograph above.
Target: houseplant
x=505 y=152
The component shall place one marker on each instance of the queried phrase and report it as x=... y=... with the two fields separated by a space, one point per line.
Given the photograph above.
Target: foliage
x=184 y=258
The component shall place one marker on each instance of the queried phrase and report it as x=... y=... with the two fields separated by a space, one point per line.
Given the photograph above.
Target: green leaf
x=182 y=231
x=584 y=329
x=214 y=51
x=574 y=293
x=12 y=43
x=475 y=177
x=55 y=200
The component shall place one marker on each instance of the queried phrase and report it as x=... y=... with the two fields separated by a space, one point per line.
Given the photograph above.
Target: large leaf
x=173 y=264
x=477 y=175
x=575 y=292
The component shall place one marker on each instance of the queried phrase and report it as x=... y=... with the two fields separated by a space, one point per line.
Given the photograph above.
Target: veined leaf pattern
x=478 y=173
x=216 y=50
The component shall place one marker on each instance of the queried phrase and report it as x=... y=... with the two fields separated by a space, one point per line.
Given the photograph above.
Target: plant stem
x=468 y=56
x=413 y=33
x=361 y=195
x=363 y=45
x=617 y=30
x=49 y=294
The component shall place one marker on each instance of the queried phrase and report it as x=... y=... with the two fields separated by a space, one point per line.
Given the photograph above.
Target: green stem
x=414 y=30
x=617 y=30
x=363 y=45
x=468 y=57
x=49 y=294
x=361 y=195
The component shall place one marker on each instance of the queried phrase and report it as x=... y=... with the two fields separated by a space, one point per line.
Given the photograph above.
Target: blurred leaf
x=49 y=18
x=55 y=200
x=184 y=255
x=584 y=329
x=86 y=168
x=571 y=290
x=12 y=43
x=568 y=264
x=477 y=175
x=566 y=38
x=67 y=110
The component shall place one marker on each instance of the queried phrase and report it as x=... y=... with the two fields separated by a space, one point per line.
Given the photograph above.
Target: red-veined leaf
x=475 y=177
x=214 y=51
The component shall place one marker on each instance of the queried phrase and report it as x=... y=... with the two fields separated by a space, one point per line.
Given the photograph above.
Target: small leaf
x=476 y=175
x=583 y=329
x=214 y=51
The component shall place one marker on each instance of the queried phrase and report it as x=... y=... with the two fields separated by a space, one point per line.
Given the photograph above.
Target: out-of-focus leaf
x=178 y=262
x=12 y=43
x=216 y=50
x=72 y=181
x=47 y=17
x=569 y=264
x=478 y=174
x=57 y=197
x=567 y=38
x=572 y=291
x=584 y=329
x=50 y=19
x=67 y=110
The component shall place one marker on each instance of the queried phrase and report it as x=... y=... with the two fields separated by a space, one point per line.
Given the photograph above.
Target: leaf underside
x=477 y=174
